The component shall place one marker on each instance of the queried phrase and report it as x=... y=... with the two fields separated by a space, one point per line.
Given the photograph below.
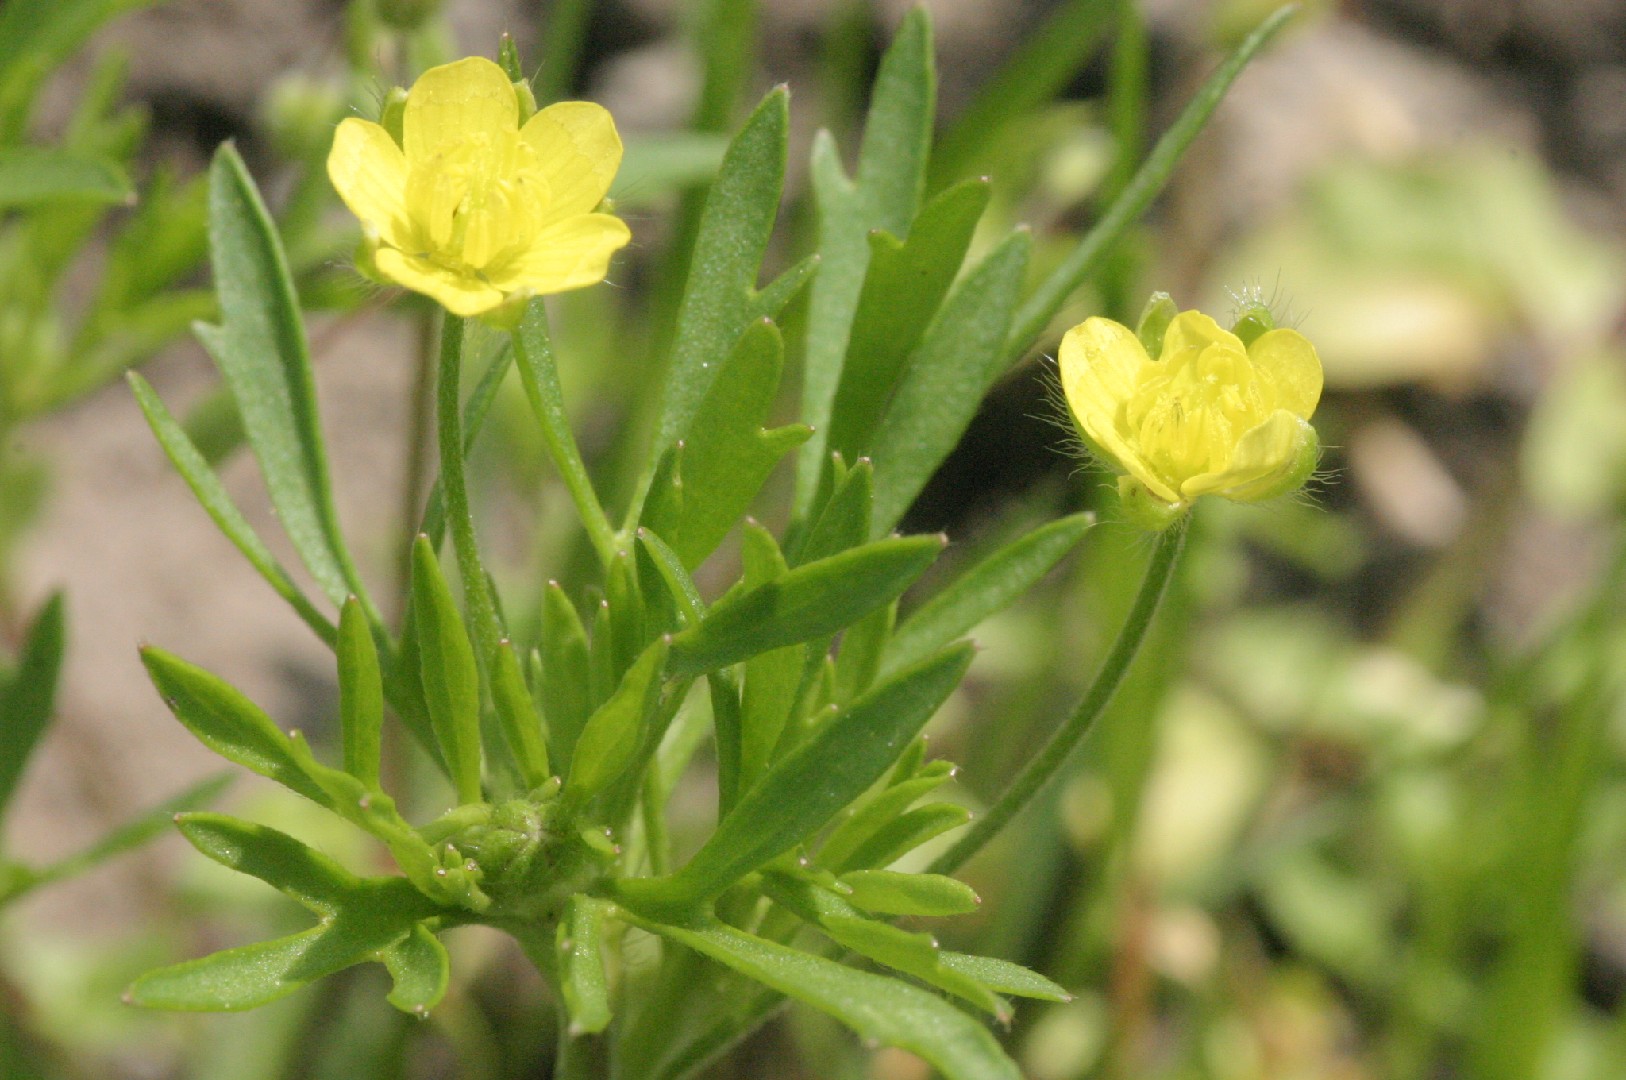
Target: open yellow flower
x=472 y=208
x=1209 y=416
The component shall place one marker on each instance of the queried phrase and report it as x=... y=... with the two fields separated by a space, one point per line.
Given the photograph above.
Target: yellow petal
x=455 y=102
x=369 y=174
x=568 y=255
x=1099 y=363
x=461 y=294
x=580 y=152
x=1288 y=363
x=1194 y=330
x=1263 y=460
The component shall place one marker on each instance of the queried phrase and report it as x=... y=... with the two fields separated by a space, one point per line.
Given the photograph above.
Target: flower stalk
x=1043 y=767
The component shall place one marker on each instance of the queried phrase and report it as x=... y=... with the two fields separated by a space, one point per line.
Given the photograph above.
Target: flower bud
x=392 y=115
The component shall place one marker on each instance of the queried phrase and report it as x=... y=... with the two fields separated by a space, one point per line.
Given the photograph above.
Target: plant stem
x=485 y=623
x=1066 y=738
x=540 y=376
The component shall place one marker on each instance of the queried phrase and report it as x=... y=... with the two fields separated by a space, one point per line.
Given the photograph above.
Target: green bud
x=508 y=59
x=1155 y=318
x=1253 y=322
x=300 y=114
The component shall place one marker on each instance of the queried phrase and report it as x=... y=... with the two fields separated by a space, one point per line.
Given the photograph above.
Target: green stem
x=485 y=622
x=1084 y=261
x=540 y=376
x=419 y=419
x=1066 y=738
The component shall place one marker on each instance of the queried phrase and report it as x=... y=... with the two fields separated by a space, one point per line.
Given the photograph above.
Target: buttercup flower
x=1210 y=416
x=471 y=208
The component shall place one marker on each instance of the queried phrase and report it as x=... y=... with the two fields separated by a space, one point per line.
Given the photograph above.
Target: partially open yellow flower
x=1209 y=416
x=471 y=208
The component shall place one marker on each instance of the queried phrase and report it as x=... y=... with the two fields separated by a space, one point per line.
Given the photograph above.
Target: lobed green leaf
x=983 y=590
x=884 y=1010
x=262 y=354
x=889 y=892
x=811 y=601
x=945 y=380
x=802 y=791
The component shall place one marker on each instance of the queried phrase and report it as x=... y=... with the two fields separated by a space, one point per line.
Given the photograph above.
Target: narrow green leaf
x=613 y=735
x=727 y=726
x=581 y=964
x=811 y=601
x=880 y=1009
x=521 y=726
x=914 y=953
x=235 y=728
x=286 y=864
x=602 y=676
x=885 y=195
x=31 y=175
x=806 y=788
x=132 y=834
x=658 y=165
x=564 y=656
x=862 y=643
x=28 y=695
x=906 y=284
x=908 y=831
x=626 y=610
x=844 y=520
x=728 y=454
x=361 y=694
x=773 y=298
x=451 y=678
x=873 y=814
x=983 y=590
x=734 y=230
x=1041 y=67
x=1082 y=263
x=888 y=892
x=769 y=695
x=669 y=567
x=262 y=354
x=939 y=392
x=1004 y=977
x=34 y=39
x=421 y=971
x=227 y=722
x=211 y=495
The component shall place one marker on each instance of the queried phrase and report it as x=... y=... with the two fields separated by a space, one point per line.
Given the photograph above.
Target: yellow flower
x=1209 y=416
x=471 y=208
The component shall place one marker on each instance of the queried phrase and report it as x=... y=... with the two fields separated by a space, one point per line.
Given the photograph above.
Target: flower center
x=1188 y=410
x=477 y=203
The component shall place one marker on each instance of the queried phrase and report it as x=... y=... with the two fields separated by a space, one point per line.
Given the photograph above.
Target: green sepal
x=1144 y=509
x=1253 y=322
x=1155 y=318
